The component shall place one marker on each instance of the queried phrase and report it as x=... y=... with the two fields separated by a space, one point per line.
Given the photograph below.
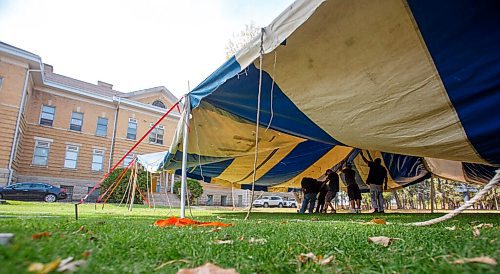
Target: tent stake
x=184 y=157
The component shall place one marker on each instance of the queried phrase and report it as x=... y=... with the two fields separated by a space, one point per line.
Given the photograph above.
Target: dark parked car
x=32 y=192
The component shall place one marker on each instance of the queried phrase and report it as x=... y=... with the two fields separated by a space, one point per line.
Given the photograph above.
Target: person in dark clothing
x=333 y=189
x=352 y=188
x=377 y=176
x=321 y=197
x=310 y=189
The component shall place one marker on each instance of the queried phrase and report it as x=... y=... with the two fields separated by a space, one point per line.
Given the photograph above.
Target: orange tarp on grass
x=174 y=221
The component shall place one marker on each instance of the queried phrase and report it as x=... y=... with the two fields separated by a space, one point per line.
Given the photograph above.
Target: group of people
x=326 y=190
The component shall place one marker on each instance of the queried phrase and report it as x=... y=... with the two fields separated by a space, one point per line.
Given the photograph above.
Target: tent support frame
x=184 y=156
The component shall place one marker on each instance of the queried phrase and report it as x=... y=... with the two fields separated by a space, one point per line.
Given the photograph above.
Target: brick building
x=67 y=132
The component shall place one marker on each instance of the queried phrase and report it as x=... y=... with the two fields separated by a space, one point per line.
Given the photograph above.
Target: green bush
x=194 y=187
x=117 y=195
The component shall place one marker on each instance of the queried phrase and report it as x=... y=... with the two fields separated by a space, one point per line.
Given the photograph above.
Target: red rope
x=128 y=152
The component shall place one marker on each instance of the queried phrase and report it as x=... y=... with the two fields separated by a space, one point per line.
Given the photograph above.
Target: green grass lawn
x=126 y=242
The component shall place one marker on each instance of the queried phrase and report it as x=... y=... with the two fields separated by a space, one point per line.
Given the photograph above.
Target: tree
x=119 y=192
x=194 y=187
x=241 y=39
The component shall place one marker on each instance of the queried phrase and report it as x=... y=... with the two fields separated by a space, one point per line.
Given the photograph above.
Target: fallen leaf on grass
x=476 y=232
x=241 y=238
x=86 y=253
x=450 y=228
x=68 y=265
x=481 y=260
x=306 y=257
x=257 y=241
x=314 y=219
x=207 y=268
x=378 y=221
x=171 y=262
x=382 y=240
x=37 y=236
x=217 y=229
x=44 y=268
x=483 y=226
x=223 y=242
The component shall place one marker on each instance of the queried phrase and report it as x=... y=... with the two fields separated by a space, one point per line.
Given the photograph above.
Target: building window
x=76 y=121
x=71 y=156
x=1 y=82
x=47 y=115
x=132 y=129
x=102 y=127
x=223 y=200
x=97 y=159
x=69 y=192
x=127 y=160
x=210 y=200
x=159 y=104
x=156 y=135
x=41 y=154
x=93 y=196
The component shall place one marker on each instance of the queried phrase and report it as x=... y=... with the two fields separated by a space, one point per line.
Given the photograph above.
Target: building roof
x=71 y=82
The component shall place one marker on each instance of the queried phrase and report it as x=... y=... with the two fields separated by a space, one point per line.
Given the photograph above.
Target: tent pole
x=433 y=194
x=184 y=157
x=172 y=183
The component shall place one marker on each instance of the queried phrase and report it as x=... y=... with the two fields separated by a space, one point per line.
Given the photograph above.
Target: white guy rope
x=257 y=123
x=491 y=184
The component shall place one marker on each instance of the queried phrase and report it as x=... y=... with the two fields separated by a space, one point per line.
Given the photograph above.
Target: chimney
x=104 y=84
x=48 y=68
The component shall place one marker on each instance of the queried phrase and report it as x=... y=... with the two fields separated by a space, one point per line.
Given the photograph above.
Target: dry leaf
x=222 y=242
x=380 y=240
x=71 y=266
x=207 y=268
x=314 y=219
x=217 y=229
x=257 y=241
x=41 y=235
x=476 y=232
x=66 y=261
x=44 y=268
x=35 y=267
x=326 y=261
x=378 y=221
x=86 y=253
x=303 y=258
x=481 y=260
x=241 y=238
x=318 y=259
x=451 y=228
x=483 y=226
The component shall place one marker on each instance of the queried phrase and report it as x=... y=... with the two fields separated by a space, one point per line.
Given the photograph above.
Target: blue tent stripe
x=478 y=172
x=229 y=69
x=238 y=96
x=463 y=38
x=405 y=169
x=299 y=159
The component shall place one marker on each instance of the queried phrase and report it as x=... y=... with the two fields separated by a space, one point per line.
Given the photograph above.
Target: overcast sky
x=132 y=44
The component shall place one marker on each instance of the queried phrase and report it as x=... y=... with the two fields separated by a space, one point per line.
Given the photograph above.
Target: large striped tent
x=413 y=82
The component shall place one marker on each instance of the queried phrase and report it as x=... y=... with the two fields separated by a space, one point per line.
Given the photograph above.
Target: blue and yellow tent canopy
x=393 y=77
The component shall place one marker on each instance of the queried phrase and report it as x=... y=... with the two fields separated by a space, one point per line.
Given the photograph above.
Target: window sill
x=97 y=171
x=102 y=136
x=40 y=166
x=156 y=144
x=69 y=169
x=133 y=140
x=75 y=131
x=47 y=126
